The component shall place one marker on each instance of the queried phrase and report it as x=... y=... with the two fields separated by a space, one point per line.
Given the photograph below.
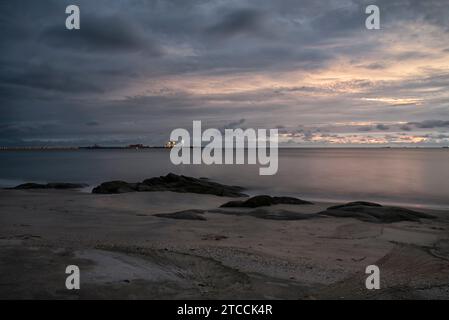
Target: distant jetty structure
x=93 y=147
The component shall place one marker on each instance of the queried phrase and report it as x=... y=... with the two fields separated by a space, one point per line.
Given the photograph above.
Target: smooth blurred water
x=398 y=176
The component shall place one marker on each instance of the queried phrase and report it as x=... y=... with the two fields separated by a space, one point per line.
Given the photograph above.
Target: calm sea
x=417 y=177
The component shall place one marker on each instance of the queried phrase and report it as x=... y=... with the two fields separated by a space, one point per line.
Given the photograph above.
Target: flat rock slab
x=376 y=213
x=264 y=201
x=173 y=183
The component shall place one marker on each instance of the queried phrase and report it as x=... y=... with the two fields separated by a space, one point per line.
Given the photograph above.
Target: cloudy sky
x=138 y=69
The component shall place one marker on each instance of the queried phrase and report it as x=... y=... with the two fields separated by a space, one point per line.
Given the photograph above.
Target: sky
x=138 y=69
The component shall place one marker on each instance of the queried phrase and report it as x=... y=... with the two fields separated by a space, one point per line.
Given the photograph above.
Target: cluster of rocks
x=254 y=202
x=56 y=185
x=174 y=183
x=363 y=211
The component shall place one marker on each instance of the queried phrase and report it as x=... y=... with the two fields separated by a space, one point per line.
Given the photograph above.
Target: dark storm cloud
x=26 y=129
x=46 y=77
x=244 y=21
x=99 y=33
x=107 y=81
x=339 y=21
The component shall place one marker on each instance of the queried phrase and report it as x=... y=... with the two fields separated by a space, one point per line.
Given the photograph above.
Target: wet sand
x=125 y=251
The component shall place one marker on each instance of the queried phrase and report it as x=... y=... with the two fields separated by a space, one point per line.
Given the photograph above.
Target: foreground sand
x=124 y=251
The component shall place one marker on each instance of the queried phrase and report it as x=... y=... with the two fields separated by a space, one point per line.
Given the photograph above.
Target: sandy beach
x=126 y=251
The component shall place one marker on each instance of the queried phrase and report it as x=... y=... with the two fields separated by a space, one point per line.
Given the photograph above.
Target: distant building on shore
x=170 y=144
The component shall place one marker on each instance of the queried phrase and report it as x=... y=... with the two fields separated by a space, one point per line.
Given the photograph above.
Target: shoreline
x=321 y=202
x=254 y=192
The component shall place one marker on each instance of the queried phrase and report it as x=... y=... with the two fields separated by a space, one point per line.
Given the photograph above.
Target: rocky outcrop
x=57 y=185
x=174 y=183
x=373 y=212
x=112 y=187
x=264 y=201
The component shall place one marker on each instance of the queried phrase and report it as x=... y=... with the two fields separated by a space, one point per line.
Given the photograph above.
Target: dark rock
x=254 y=202
x=290 y=200
x=233 y=204
x=56 y=185
x=356 y=203
x=26 y=186
x=375 y=213
x=263 y=201
x=115 y=187
x=174 y=183
x=184 y=215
